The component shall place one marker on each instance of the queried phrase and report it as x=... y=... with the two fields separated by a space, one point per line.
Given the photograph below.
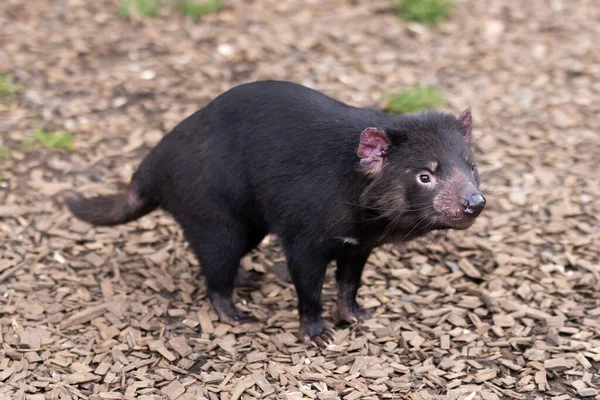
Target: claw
x=237 y=319
x=229 y=313
x=320 y=340
x=330 y=334
x=352 y=314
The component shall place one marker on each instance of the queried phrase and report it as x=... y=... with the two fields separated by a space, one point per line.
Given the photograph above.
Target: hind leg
x=219 y=244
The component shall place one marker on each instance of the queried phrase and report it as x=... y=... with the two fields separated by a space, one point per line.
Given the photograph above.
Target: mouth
x=459 y=223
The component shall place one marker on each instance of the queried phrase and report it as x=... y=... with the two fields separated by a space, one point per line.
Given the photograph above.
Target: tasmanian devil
x=330 y=180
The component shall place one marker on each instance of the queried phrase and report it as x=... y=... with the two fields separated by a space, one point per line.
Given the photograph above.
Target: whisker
x=415 y=226
x=435 y=236
x=391 y=226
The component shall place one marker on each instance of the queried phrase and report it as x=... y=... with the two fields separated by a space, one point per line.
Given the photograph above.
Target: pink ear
x=372 y=149
x=465 y=123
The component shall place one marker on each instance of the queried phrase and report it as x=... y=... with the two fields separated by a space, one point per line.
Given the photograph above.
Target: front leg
x=307 y=268
x=350 y=266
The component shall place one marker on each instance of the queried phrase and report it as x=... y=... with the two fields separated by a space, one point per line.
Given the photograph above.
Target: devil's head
x=423 y=170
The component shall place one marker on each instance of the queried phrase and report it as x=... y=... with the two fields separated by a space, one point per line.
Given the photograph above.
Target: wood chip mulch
x=507 y=309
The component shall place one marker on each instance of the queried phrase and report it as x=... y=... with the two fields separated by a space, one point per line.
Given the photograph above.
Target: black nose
x=474 y=204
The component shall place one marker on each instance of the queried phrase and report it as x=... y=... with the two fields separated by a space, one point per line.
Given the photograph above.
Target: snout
x=474 y=204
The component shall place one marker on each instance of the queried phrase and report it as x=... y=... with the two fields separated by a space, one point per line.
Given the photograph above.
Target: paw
x=247 y=280
x=236 y=317
x=316 y=334
x=229 y=313
x=352 y=315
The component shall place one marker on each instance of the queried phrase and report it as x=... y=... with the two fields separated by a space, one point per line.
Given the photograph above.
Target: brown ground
x=509 y=308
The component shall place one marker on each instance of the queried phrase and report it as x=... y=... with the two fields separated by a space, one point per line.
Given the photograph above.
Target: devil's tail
x=110 y=210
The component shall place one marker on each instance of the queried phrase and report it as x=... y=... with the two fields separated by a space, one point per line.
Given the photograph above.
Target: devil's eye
x=424 y=178
x=472 y=167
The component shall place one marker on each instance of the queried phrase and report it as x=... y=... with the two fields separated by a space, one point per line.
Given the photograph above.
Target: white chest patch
x=349 y=240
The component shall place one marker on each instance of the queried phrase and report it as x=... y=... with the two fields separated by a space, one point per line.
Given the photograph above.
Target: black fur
x=110 y=210
x=276 y=157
